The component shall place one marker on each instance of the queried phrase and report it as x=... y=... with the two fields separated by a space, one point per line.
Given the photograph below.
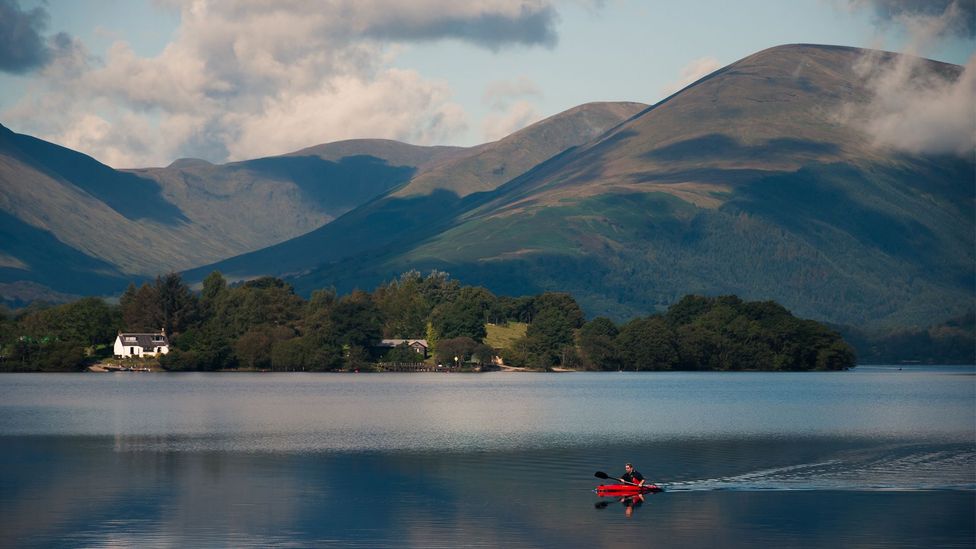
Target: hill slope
x=72 y=224
x=746 y=182
x=428 y=202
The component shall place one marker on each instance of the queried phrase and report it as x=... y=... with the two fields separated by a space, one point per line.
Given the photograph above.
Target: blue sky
x=143 y=82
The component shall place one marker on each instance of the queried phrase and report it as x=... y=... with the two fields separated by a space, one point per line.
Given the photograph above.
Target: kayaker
x=632 y=475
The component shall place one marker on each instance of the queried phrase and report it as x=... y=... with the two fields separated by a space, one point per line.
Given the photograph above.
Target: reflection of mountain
x=745 y=182
x=85 y=492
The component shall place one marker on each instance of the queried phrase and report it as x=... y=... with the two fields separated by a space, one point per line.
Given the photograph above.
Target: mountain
x=751 y=181
x=70 y=224
x=426 y=203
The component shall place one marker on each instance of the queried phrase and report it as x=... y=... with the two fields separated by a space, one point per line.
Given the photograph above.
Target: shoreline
x=109 y=367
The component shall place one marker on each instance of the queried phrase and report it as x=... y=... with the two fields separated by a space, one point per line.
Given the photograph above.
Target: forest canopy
x=263 y=324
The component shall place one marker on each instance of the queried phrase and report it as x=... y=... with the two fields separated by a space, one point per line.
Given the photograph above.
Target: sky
x=139 y=83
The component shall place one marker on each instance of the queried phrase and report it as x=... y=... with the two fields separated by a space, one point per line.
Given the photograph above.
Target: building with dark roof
x=132 y=344
x=418 y=345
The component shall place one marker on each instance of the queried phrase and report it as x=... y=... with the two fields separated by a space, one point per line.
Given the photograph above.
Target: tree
x=356 y=320
x=518 y=309
x=596 y=342
x=837 y=356
x=89 y=321
x=254 y=348
x=561 y=303
x=437 y=288
x=214 y=287
x=482 y=354
x=460 y=347
x=177 y=305
x=647 y=344
x=550 y=333
x=263 y=301
x=458 y=319
x=402 y=306
x=289 y=355
x=141 y=311
x=357 y=358
x=403 y=353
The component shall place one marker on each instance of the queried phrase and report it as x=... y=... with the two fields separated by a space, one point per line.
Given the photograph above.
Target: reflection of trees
x=93 y=491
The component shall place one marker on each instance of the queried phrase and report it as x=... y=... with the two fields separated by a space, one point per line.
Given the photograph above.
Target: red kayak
x=624 y=490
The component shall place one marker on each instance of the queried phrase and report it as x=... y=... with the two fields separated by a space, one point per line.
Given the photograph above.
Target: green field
x=502 y=336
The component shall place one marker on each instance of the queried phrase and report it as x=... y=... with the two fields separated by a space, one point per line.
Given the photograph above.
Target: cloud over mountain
x=911 y=109
x=310 y=71
x=509 y=107
x=691 y=73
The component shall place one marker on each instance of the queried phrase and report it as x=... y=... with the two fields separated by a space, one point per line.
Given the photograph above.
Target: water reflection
x=629 y=503
x=71 y=491
x=309 y=412
x=249 y=461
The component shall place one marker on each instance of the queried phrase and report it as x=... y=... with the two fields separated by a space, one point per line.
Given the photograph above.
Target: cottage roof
x=398 y=342
x=146 y=341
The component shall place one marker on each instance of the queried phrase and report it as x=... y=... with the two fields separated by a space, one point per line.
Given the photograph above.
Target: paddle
x=604 y=476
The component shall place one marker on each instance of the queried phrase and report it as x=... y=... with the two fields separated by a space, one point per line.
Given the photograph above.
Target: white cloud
x=499 y=94
x=258 y=77
x=918 y=111
x=509 y=107
x=396 y=104
x=915 y=106
x=691 y=73
x=518 y=115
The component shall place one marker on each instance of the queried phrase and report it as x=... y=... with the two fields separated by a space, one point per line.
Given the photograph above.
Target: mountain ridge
x=753 y=180
x=74 y=226
x=362 y=229
x=745 y=182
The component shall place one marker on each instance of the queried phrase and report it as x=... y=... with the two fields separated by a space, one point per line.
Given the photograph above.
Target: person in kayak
x=632 y=475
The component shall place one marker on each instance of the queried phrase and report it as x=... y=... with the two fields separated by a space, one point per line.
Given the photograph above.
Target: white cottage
x=151 y=344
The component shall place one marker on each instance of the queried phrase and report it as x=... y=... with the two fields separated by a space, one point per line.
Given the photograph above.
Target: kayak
x=624 y=490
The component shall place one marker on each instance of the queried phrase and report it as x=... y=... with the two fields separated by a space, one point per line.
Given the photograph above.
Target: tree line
x=714 y=333
x=949 y=342
x=264 y=324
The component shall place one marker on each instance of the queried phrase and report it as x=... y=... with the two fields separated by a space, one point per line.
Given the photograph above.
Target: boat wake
x=895 y=468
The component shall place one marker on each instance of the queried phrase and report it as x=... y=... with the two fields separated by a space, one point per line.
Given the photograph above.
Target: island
x=429 y=323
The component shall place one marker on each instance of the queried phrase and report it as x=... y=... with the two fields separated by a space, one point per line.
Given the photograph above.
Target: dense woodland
x=264 y=324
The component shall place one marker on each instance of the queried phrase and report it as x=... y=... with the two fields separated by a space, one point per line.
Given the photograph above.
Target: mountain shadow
x=50 y=262
x=339 y=185
x=721 y=146
x=384 y=224
x=132 y=196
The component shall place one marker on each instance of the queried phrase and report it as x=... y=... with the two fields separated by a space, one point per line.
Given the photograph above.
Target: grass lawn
x=501 y=336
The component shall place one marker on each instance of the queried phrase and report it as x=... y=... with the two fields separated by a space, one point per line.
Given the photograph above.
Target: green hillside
x=70 y=224
x=402 y=219
x=745 y=183
x=755 y=181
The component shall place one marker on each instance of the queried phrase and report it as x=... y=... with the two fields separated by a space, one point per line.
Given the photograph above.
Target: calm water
x=876 y=457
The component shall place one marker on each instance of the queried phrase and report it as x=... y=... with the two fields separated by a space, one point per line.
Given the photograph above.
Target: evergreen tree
x=141 y=311
x=177 y=305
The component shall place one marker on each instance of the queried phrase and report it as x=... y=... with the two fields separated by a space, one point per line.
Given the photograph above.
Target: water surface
x=873 y=457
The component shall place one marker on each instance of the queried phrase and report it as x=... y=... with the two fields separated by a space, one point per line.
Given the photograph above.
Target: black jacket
x=633 y=476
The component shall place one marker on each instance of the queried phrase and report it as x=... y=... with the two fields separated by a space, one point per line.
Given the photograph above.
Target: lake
x=873 y=457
